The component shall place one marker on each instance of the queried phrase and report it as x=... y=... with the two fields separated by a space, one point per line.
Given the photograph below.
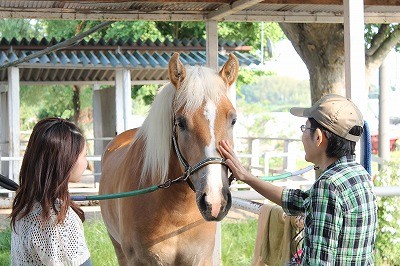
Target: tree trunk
x=76 y=102
x=321 y=47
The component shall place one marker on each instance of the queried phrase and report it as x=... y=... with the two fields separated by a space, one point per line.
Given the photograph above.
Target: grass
x=238 y=240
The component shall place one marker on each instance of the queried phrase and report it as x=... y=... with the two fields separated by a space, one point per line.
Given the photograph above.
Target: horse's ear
x=176 y=70
x=230 y=70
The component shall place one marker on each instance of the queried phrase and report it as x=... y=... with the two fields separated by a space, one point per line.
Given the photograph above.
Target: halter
x=189 y=170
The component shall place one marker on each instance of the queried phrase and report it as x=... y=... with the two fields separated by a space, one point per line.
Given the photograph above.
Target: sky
x=286 y=61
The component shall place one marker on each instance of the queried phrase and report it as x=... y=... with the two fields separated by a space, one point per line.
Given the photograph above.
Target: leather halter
x=189 y=170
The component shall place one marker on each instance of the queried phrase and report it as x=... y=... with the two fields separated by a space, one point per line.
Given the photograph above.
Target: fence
x=262 y=156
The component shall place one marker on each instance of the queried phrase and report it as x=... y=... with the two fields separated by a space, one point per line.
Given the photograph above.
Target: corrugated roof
x=95 y=61
x=306 y=11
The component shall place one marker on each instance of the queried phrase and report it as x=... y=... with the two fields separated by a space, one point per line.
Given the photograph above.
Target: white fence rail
x=259 y=155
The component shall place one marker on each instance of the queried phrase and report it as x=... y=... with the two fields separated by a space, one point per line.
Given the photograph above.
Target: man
x=340 y=208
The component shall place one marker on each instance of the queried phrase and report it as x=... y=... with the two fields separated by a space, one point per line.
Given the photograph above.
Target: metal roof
x=96 y=61
x=307 y=11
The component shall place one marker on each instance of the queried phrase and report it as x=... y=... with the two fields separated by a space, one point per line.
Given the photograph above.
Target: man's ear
x=319 y=136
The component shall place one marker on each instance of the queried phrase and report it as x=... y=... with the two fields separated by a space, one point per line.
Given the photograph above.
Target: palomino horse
x=179 y=138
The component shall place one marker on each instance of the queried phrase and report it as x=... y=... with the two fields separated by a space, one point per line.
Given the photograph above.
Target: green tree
x=19 y=28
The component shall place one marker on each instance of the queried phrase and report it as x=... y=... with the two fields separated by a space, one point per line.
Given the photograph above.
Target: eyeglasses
x=304 y=128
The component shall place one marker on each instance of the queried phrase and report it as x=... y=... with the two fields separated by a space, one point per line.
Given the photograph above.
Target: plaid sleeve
x=324 y=224
x=293 y=201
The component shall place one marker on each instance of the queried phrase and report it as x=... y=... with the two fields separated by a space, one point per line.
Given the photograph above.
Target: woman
x=46 y=224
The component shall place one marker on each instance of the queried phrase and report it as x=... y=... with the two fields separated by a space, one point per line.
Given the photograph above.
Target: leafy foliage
x=19 y=28
x=38 y=102
x=5 y=246
x=383 y=30
x=387 y=243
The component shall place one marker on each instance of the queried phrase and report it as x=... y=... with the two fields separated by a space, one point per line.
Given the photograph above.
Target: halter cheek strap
x=189 y=170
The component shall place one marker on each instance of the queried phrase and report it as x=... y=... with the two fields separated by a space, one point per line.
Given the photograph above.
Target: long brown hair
x=53 y=149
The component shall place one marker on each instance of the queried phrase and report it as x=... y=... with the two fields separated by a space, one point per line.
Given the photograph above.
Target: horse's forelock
x=200 y=84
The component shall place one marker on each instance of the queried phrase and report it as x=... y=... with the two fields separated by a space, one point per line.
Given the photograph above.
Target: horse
x=176 y=146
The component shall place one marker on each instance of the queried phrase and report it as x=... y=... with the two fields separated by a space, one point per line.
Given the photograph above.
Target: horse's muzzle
x=215 y=211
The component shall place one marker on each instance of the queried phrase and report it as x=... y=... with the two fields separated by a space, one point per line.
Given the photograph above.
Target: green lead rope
x=287 y=175
x=116 y=195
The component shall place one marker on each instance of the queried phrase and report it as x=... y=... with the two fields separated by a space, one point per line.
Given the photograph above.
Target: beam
x=271 y=16
x=231 y=9
x=297 y=2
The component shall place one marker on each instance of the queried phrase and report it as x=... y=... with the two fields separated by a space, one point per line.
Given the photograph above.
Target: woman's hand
x=232 y=161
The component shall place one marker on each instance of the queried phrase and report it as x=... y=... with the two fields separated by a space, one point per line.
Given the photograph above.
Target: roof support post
x=384 y=119
x=4 y=124
x=212 y=44
x=14 y=124
x=212 y=62
x=354 y=51
x=123 y=99
x=104 y=122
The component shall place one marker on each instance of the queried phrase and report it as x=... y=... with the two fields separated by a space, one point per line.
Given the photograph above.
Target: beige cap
x=336 y=113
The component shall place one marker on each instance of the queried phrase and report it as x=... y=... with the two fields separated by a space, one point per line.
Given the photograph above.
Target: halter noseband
x=189 y=170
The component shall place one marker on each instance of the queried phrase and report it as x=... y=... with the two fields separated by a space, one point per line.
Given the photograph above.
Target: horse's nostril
x=229 y=201
x=202 y=202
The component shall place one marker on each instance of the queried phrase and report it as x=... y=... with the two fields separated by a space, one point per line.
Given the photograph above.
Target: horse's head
x=203 y=115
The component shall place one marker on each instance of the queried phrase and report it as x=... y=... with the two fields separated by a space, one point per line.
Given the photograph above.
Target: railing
x=262 y=156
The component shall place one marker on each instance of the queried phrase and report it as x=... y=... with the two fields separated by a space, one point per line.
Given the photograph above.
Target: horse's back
x=120 y=141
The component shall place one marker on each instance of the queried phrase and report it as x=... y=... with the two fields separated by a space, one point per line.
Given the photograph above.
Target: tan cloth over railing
x=276 y=230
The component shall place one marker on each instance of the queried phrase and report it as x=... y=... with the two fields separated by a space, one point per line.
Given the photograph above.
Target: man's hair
x=337 y=146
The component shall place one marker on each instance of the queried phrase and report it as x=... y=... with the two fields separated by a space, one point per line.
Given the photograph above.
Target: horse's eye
x=181 y=123
x=233 y=122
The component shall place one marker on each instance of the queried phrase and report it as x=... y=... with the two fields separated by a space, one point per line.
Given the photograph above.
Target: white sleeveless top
x=34 y=242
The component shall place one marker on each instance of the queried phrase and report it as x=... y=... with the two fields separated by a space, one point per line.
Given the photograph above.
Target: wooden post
x=14 y=121
x=289 y=161
x=266 y=164
x=104 y=122
x=212 y=44
x=384 y=137
x=255 y=156
x=123 y=99
x=212 y=62
x=355 y=60
x=4 y=132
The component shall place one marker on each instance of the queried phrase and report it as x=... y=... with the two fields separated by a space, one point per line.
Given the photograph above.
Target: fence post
x=289 y=161
x=266 y=164
x=255 y=156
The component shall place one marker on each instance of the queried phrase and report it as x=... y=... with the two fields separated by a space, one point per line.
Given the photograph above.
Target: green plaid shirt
x=340 y=215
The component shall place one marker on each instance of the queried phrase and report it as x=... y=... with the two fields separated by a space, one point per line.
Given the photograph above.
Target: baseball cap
x=336 y=113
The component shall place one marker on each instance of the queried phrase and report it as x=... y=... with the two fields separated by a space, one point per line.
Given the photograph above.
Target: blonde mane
x=200 y=84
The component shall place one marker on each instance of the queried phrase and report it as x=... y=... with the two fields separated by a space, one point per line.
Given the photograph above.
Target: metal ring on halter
x=188 y=172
